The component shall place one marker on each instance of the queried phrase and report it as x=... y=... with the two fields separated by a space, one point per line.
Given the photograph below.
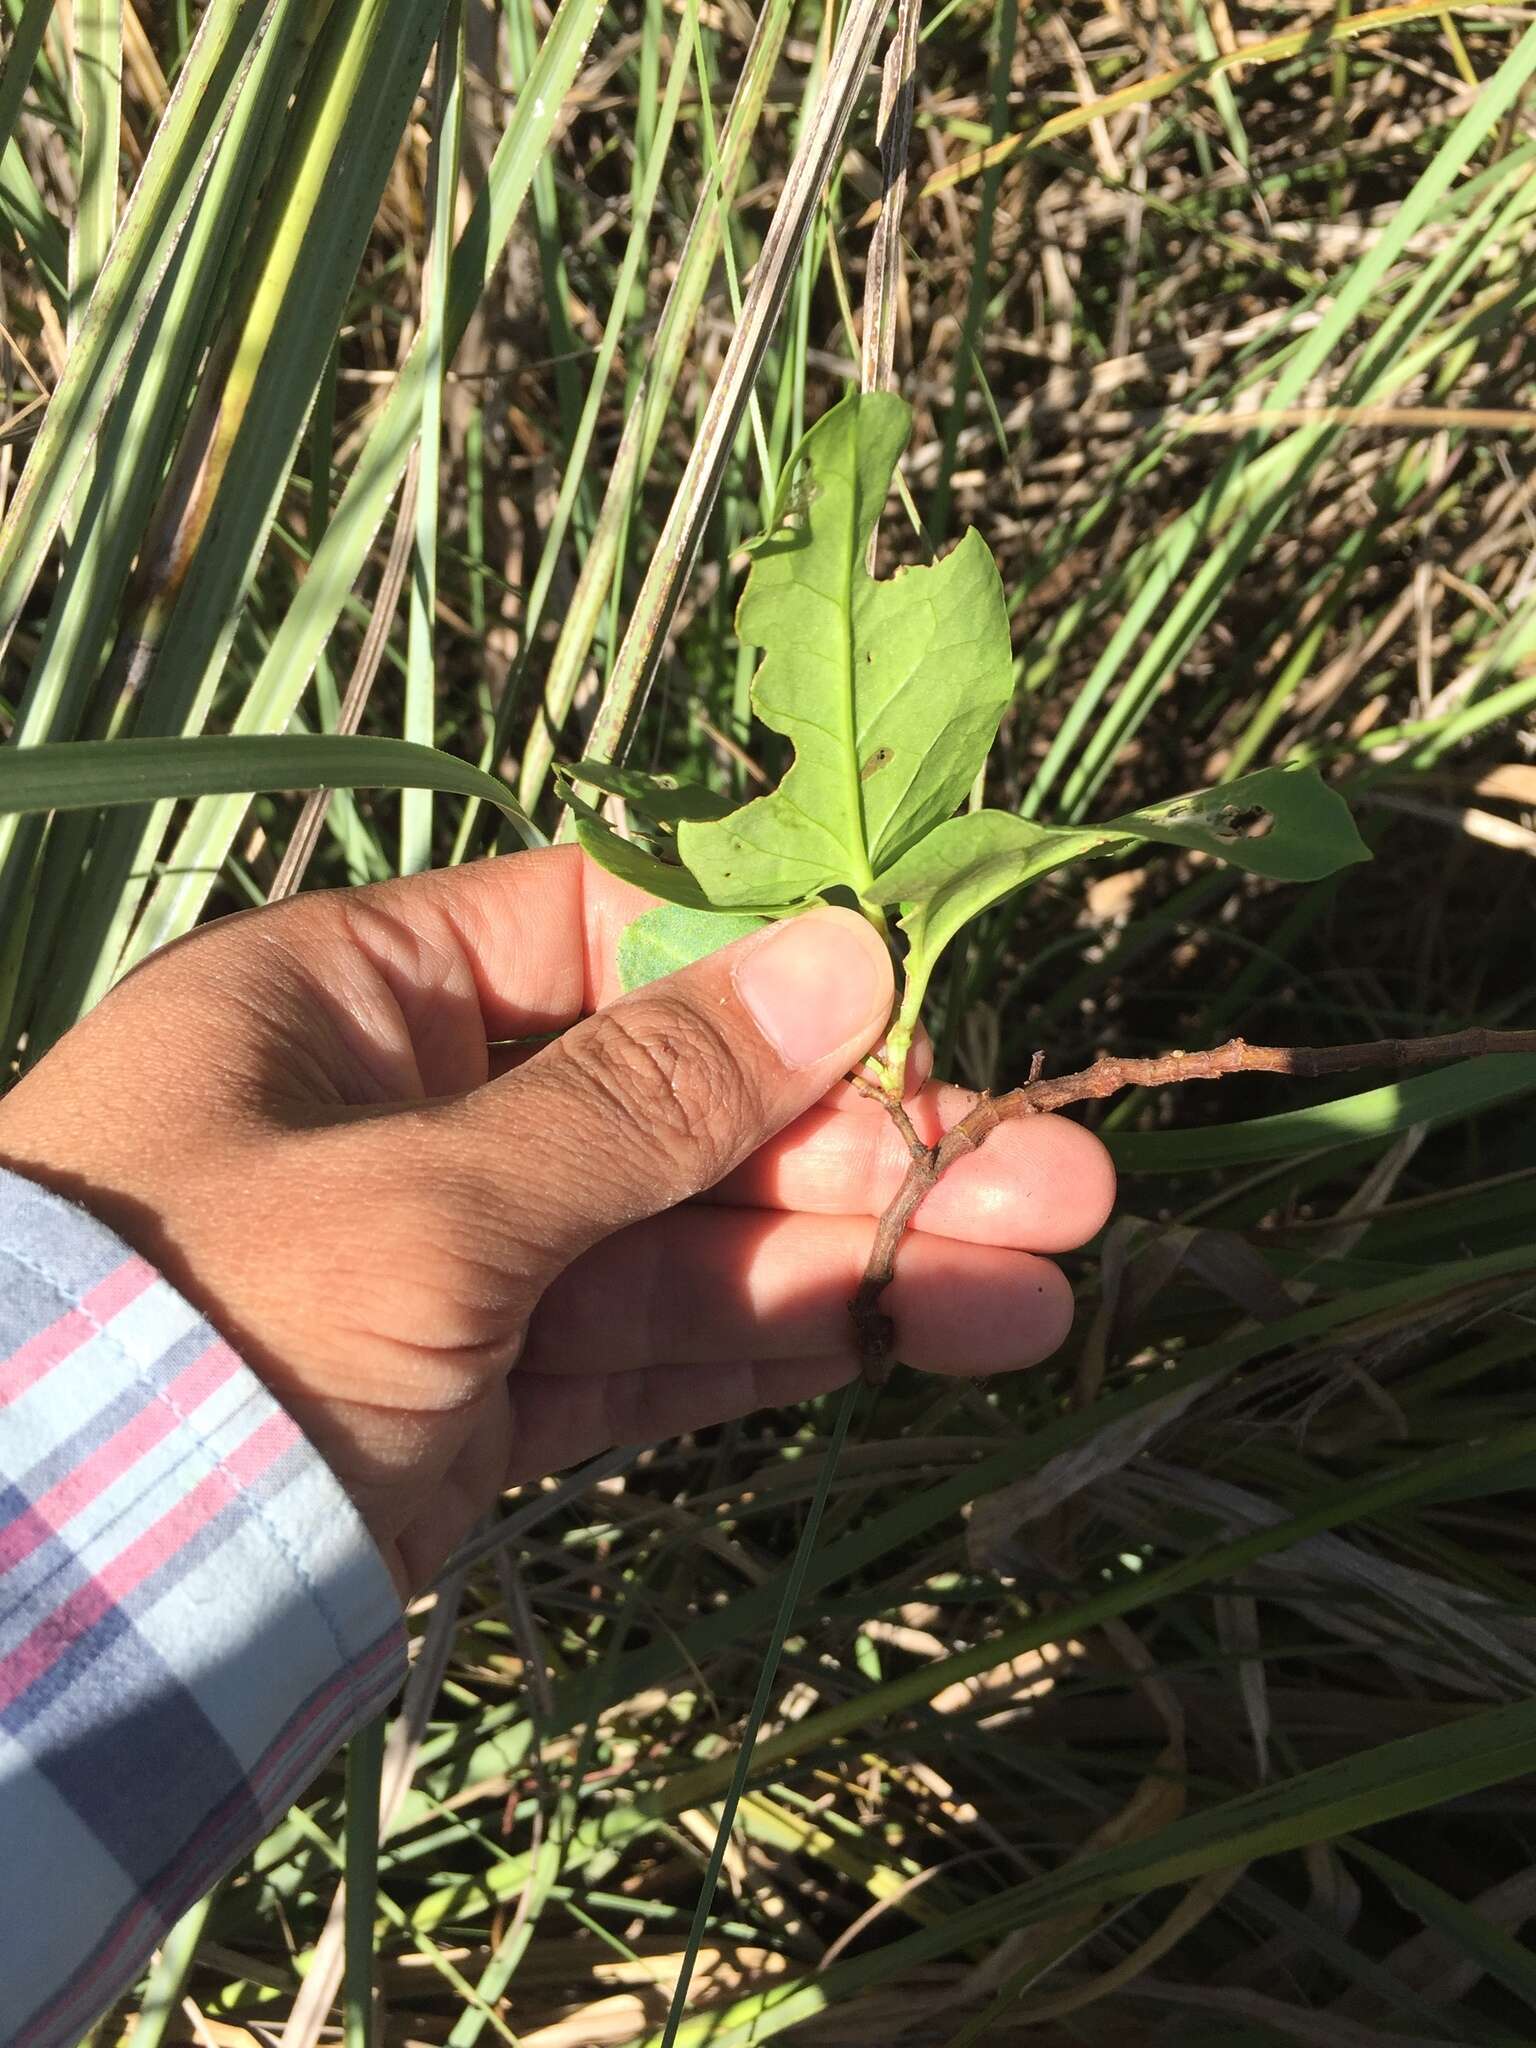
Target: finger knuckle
x=666 y=1072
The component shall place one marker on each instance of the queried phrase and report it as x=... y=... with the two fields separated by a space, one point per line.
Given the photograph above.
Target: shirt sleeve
x=192 y=1614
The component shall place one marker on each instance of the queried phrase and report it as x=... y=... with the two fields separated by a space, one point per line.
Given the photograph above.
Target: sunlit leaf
x=84 y=775
x=891 y=691
x=1285 y=824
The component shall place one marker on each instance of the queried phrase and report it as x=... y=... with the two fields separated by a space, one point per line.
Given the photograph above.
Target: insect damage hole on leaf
x=1253 y=823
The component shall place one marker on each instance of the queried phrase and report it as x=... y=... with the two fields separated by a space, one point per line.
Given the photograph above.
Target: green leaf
x=970 y=862
x=1371 y=1116
x=1496 y=1950
x=1283 y=823
x=634 y=864
x=87 y=775
x=890 y=691
x=655 y=799
x=662 y=940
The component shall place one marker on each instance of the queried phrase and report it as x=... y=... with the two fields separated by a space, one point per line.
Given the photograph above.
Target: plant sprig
x=891 y=692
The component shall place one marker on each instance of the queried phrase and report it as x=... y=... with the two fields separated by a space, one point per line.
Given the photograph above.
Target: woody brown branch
x=874 y=1330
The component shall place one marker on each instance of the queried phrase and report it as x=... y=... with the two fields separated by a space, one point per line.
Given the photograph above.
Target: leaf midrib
x=864 y=880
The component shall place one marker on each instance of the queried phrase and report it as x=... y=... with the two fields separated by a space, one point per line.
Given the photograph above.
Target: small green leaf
x=633 y=863
x=891 y=691
x=654 y=799
x=662 y=940
x=1283 y=823
x=979 y=857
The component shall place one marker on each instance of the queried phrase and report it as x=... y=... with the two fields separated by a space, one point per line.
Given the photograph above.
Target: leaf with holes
x=1282 y=823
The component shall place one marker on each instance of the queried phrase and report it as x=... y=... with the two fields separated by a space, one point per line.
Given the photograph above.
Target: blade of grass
x=767 y=1679
x=1196 y=595
x=16 y=65
x=635 y=252
x=349 y=714
x=1507 y=1961
x=1374 y=1113
x=200 y=108
x=273 y=696
x=1330 y=1507
x=694 y=499
x=37 y=228
x=365 y=1759
x=98 y=28
x=420 y=722
x=898 y=89
x=645 y=416
x=78 y=775
x=1163 y=84
x=168 y=1975
x=344 y=135
x=1005 y=18
x=131 y=460
x=1380 y=1784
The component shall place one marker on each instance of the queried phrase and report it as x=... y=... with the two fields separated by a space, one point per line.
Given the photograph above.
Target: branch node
x=874 y=1332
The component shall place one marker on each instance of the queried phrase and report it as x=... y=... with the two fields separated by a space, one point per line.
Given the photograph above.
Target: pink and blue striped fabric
x=192 y=1615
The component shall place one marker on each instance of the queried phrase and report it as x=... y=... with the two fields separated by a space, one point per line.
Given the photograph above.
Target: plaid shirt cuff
x=192 y=1614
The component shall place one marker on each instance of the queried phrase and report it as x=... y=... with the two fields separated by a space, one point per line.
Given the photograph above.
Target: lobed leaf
x=891 y=692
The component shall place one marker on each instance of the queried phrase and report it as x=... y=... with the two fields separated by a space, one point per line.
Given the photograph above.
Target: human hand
x=458 y=1267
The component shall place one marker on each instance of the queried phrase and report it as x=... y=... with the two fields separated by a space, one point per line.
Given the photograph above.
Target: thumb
x=666 y=1091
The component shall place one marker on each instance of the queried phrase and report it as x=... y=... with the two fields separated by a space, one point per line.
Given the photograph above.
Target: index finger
x=1039 y=1184
x=538 y=932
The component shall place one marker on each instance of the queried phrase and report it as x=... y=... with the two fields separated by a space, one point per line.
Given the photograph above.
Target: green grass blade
x=99 y=95
x=1194 y=597
x=273 y=696
x=600 y=572
x=345 y=132
x=161 y=2003
x=1476 y=1466
x=1380 y=1784
x=1507 y=1961
x=1375 y=1113
x=420 y=723
x=676 y=546
x=47 y=246
x=162 y=202
x=16 y=65
x=83 y=775
x=341 y=141
x=636 y=250
x=767 y=1679
x=139 y=433
x=365 y=1760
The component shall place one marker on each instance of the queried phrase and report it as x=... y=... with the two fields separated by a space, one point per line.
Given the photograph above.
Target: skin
x=461 y=1264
